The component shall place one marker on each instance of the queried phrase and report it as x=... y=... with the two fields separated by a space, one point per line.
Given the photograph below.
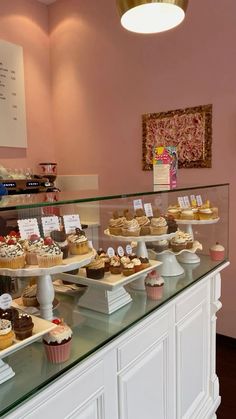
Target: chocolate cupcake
x=171 y=224
x=96 y=269
x=23 y=326
x=60 y=239
x=10 y=314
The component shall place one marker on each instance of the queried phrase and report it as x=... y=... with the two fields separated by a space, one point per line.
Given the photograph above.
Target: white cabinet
x=162 y=368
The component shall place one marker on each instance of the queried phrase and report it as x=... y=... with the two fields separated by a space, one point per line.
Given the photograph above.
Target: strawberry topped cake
x=50 y=254
x=12 y=255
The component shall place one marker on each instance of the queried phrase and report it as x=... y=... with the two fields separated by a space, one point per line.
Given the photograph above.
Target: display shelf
x=108 y=294
x=41 y=327
x=189 y=223
x=45 y=290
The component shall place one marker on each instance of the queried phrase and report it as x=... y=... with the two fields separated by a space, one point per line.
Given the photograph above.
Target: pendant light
x=151 y=16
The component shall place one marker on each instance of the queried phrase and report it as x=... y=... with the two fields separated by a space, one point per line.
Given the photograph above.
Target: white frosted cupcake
x=50 y=254
x=32 y=248
x=154 y=285
x=131 y=226
x=78 y=243
x=57 y=343
x=12 y=255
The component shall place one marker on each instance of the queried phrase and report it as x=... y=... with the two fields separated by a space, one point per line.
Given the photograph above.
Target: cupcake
x=115 y=224
x=105 y=258
x=158 y=225
x=9 y=314
x=57 y=343
x=174 y=211
x=187 y=214
x=189 y=241
x=95 y=269
x=131 y=226
x=78 y=243
x=143 y=222
x=60 y=239
x=160 y=246
x=145 y=262
x=217 y=252
x=138 y=266
x=215 y=212
x=154 y=285
x=205 y=213
x=6 y=334
x=125 y=259
x=50 y=254
x=115 y=265
x=23 y=326
x=32 y=248
x=128 y=268
x=28 y=296
x=12 y=255
x=178 y=243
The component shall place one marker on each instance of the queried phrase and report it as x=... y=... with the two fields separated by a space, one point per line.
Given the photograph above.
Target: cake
x=178 y=243
x=12 y=255
x=205 y=213
x=32 y=248
x=105 y=258
x=160 y=246
x=57 y=343
x=145 y=262
x=154 y=285
x=95 y=269
x=174 y=211
x=172 y=226
x=158 y=225
x=50 y=254
x=131 y=226
x=115 y=265
x=217 y=252
x=23 y=326
x=9 y=314
x=115 y=224
x=78 y=243
x=187 y=214
x=28 y=296
x=138 y=266
x=59 y=237
x=128 y=268
x=143 y=222
x=6 y=334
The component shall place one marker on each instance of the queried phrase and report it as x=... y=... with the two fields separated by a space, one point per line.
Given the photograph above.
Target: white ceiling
x=47 y=1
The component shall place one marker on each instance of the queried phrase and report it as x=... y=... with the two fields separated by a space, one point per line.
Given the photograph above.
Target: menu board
x=12 y=96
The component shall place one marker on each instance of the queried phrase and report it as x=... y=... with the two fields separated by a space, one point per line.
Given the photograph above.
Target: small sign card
x=199 y=200
x=193 y=200
x=5 y=301
x=120 y=251
x=129 y=249
x=28 y=227
x=148 y=210
x=49 y=224
x=138 y=204
x=186 y=202
x=110 y=252
x=181 y=202
x=71 y=222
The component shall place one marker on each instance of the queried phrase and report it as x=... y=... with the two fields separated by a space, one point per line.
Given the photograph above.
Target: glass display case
x=182 y=234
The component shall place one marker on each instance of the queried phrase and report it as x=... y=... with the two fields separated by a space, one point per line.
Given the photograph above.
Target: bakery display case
x=122 y=257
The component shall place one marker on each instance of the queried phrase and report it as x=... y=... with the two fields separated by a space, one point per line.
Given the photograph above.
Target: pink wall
x=104 y=78
x=25 y=22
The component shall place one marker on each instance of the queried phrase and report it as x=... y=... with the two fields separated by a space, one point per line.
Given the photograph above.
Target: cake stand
x=141 y=251
x=186 y=257
x=45 y=290
x=41 y=327
x=170 y=265
x=108 y=294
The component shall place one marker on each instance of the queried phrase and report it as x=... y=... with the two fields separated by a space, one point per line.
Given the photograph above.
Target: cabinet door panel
x=142 y=386
x=192 y=361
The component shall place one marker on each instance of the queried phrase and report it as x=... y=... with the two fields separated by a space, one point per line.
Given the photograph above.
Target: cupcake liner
x=58 y=353
x=24 y=333
x=154 y=293
x=128 y=233
x=95 y=273
x=6 y=340
x=31 y=258
x=115 y=231
x=115 y=270
x=13 y=263
x=158 y=230
x=217 y=255
x=79 y=248
x=49 y=261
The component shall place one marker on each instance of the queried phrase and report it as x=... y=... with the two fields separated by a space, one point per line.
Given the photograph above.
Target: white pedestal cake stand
x=108 y=294
x=186 y=257
x=45 y=290
x=41 y=327
x=170 y=265
x=141 y=251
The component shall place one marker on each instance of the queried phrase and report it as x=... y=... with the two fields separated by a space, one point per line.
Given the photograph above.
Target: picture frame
x=189 y=130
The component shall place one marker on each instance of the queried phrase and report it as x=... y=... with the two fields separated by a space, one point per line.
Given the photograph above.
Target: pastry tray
x=41 y=327
x=196 y=246
x=110 y=281
x=70 y=263
x=148 y=238
x=198 y=222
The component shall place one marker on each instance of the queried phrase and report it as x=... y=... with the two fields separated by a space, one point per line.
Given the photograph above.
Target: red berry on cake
x=48 y=241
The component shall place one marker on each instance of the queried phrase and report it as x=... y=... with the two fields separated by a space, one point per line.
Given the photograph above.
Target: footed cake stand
x=141 y=251
x=45 y=290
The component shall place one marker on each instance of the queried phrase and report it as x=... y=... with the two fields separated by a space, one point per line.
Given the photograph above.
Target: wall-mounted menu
x=12 y=96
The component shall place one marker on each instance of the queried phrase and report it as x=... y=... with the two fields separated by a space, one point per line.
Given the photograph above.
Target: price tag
x=120 y=251
x=138 y=204
x=199 y=200
x=129 y=249
x=49 y=224
x=28 y=227
x=110 y=252
x=5 y=301
x=148 y=210
x=181 y=202
x=71 y=222
x=186 y=202
x=193 y=200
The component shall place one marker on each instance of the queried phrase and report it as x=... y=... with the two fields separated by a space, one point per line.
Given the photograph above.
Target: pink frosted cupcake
x=57 y=343
x=154 y=285
x=217 y=252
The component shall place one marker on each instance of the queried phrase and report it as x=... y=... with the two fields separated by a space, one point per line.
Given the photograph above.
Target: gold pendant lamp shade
x=151 y=16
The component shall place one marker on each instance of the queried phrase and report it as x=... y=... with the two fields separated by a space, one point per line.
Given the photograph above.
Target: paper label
x=138 y=204
x=28 y=227
x=148 y=210
x=120 y=251
x=5 y=301
x=71 y=222
x=129 y=249
x=49 y=224
x=199 y=200
x=193 y=200
x=161 y=174
x=110 y=252
x=181 y=202
x=186 y=202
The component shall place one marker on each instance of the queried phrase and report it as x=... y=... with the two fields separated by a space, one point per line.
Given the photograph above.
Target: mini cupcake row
x=206 y=211
x=179 y=242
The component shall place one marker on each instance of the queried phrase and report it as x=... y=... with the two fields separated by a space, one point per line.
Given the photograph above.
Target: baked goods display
x=23 y=326
x=154 y=285
x=57 y=343
x=217 y=252
x=203 y=212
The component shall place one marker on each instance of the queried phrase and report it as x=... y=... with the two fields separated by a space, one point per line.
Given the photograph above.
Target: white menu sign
x=71 y=222
x=12 y=96
x=49 y=224
x=5 y=301
x=28 y=227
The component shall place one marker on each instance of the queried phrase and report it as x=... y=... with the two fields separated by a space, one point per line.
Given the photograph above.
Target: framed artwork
x=190 y=130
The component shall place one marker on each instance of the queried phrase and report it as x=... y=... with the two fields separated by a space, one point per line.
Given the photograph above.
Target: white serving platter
x=149 y=238
x=196 y=246
x=198 y=222
x=41 y=327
